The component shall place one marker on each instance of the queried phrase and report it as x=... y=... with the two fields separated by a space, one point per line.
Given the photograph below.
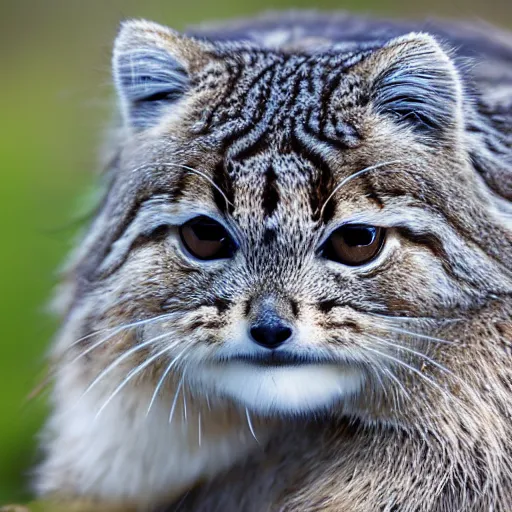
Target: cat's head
x=290 y=229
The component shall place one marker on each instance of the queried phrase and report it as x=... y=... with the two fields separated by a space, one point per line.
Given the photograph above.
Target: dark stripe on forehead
x=234 y=74
x=289 y=79
x=253 y=135
x=221 y=304
x=273 y=92
x=270 y=197
x=269 y=236
x=252 y=149
x=340 y=135
x=322 y=182
x=254 y=113
x=256 y=131
x=221 y=177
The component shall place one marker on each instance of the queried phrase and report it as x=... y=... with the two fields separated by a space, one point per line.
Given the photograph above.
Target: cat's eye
x=354 y=244
x=206 y=239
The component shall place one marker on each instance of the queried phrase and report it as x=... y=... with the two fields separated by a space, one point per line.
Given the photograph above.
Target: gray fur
x=284 y=128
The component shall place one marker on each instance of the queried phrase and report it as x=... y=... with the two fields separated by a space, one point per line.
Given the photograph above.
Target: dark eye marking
x=326 y=305
x=159 y=232
x=295 y=307
x=354 y=244
x=222 y=305
x=426 y=239
x=206 y=239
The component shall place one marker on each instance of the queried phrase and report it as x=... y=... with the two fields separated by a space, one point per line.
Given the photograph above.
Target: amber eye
x=354 y=244
x=206 y=239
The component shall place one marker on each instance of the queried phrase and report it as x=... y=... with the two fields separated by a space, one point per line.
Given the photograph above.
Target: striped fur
x=283 y=128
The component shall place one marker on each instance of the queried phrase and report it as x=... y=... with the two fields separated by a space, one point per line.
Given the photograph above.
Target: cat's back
x=282 y=29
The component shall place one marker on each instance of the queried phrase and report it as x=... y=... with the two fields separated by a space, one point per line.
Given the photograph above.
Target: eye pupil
x=354 y=244
x=206 y=239
x=208 y=231
x=359 y=236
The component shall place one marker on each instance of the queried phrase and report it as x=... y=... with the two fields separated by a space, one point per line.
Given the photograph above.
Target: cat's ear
x=151 y=69
x=415 y=81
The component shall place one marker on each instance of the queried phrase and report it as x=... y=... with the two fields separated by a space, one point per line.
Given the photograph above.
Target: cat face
x=288 y=230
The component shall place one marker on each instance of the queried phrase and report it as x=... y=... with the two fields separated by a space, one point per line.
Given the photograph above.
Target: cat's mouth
x=280 y=381
x=277 y=359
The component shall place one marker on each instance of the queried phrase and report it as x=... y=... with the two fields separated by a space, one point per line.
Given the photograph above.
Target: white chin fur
x=294 y=389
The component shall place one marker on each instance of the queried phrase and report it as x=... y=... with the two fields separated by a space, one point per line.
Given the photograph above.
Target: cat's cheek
x=418 y=284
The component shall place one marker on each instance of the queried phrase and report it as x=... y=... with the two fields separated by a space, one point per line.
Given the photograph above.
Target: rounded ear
x=151 y=67
x=414 y=80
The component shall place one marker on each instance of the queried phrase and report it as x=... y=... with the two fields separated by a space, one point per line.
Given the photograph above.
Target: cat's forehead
x=282 y=192
x=261 y=125
x=255 y=63
x=271 y=188
x=280 y=137
x=281 y=95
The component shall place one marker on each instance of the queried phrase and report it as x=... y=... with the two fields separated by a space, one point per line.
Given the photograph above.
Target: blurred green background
x=55 y=102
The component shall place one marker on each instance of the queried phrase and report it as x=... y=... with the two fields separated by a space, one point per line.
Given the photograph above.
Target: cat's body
x=272 y=367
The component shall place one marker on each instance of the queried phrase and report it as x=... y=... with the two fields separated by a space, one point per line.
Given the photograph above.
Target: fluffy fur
x=283 y=128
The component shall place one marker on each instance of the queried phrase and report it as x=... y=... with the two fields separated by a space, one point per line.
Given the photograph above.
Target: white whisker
x=116 y=330
x=414 y=318
x=249 y=423
x=120 y=328
x=176 y=395
x=377 y=375
x=199 y=428
x=412 y=369
x=195 y=171
x=399 y=383
x=162 y=379
x=185 y=406
x=412 y=351
x=418 y=335
x=119 y=360
x=130 y=375
x=355 y=175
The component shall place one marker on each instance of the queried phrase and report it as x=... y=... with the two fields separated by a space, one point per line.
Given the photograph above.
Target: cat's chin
x=283 y=389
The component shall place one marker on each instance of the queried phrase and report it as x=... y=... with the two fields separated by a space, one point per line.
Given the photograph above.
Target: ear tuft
x=150 y=68
x=417 y=83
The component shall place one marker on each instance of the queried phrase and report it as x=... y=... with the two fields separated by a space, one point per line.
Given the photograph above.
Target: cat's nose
x=270 y=333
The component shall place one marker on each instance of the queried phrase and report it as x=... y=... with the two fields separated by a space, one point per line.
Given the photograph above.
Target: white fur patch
x=124 y=456
x=293 y=389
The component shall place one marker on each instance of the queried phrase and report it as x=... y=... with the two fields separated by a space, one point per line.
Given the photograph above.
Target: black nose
x=270 y=335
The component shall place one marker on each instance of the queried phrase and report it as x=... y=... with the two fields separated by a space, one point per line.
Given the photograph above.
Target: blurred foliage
x=56 y=506
x=55 y=100
x=66 y=506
